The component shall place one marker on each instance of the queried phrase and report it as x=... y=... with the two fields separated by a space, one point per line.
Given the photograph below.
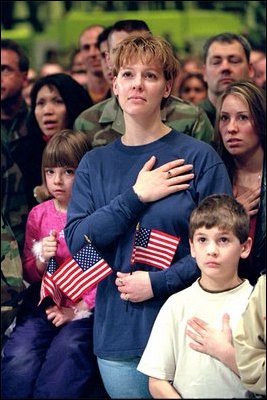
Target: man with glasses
x=97 y=87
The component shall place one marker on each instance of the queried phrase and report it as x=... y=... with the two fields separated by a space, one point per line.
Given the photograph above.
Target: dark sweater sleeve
x=179 y=276
x=104 y=225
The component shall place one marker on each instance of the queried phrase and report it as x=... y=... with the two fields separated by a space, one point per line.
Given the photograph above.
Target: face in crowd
x=236 y=127
x=225 y=63
x=12 y=79
x=193 y=89
x=50 y=111
x=90 y=51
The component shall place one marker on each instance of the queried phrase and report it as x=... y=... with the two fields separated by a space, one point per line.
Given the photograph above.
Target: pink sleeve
x=89 y=298
x=30 y=272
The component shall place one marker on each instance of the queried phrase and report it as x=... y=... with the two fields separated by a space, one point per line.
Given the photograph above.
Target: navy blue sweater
x=105 y=208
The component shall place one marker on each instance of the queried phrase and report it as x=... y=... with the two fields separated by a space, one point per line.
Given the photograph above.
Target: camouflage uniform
x=12 y=284
x=20 y=172
x=14 y=201
x=209 y=109
x=104 y=121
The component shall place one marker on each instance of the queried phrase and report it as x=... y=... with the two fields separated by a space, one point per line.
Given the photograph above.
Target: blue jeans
x=44 y=362
x=122 y=380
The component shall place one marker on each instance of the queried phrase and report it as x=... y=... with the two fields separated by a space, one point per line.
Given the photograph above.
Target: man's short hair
x=227 y=37
x=130 y=25
x=103 y=36
x=9 y=44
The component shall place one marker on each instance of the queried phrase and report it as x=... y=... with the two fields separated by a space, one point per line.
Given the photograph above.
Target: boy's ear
x=192 y=249
x=246 y=248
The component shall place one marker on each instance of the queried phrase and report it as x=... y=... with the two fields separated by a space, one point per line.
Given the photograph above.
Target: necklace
x=249 y=181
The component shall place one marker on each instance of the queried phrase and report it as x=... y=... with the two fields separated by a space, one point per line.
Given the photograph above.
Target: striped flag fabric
x=153 y=247
x=81 y=272
x=48 y=288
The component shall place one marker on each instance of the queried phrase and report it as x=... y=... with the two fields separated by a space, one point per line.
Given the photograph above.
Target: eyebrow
x=238 y=112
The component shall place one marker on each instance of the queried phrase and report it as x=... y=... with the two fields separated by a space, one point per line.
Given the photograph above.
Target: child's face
x=217 y=253
x=59 y=181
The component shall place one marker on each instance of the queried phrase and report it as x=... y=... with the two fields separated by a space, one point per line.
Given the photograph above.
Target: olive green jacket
x=104 y=121
x=12 y=284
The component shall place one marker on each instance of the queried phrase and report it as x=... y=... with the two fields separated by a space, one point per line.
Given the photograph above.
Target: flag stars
x=52 y=266
x=87 y=257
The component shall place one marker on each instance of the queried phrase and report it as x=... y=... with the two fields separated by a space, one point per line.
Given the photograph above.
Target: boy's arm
x=162 y=389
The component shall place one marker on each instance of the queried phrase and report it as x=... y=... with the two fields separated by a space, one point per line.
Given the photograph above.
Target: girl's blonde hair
x=148 y=49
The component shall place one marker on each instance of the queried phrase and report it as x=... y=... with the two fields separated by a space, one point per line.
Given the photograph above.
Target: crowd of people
x=160 y=164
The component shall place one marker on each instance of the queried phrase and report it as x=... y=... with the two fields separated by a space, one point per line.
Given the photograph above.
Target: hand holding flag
x=82 y=272
x=48 y=288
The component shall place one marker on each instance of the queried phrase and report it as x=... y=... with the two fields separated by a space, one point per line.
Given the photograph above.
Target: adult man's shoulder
x=11 y=276
x=103 y=122
x=94 y=112
x=188 y=118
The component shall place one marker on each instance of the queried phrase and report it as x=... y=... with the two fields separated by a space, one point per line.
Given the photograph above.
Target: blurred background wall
x=49 y=30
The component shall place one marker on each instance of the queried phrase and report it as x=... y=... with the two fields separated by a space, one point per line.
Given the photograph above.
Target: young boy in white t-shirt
x=190 y=352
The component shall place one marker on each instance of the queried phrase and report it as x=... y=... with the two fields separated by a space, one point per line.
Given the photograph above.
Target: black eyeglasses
x=7 y=70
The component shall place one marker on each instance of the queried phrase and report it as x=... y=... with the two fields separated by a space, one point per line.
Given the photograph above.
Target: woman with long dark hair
x=56 y=100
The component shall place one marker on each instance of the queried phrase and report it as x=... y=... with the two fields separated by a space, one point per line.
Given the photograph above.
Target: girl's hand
x=49 y=246
x=59 y=315
x=152 y=185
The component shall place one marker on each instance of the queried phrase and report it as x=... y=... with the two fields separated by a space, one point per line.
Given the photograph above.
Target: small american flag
x=155 y=248
x=48 y=288
x=81 y=272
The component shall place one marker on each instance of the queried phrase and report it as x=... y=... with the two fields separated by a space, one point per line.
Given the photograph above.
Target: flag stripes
x=155 y=248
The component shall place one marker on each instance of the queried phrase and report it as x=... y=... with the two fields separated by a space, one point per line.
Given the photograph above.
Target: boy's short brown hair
x=221 y=211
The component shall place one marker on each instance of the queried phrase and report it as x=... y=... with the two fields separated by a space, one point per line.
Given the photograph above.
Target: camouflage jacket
x=20 y=172
x=14 y=205
x=104 y=121
x=12 y=284
x=210 y=110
